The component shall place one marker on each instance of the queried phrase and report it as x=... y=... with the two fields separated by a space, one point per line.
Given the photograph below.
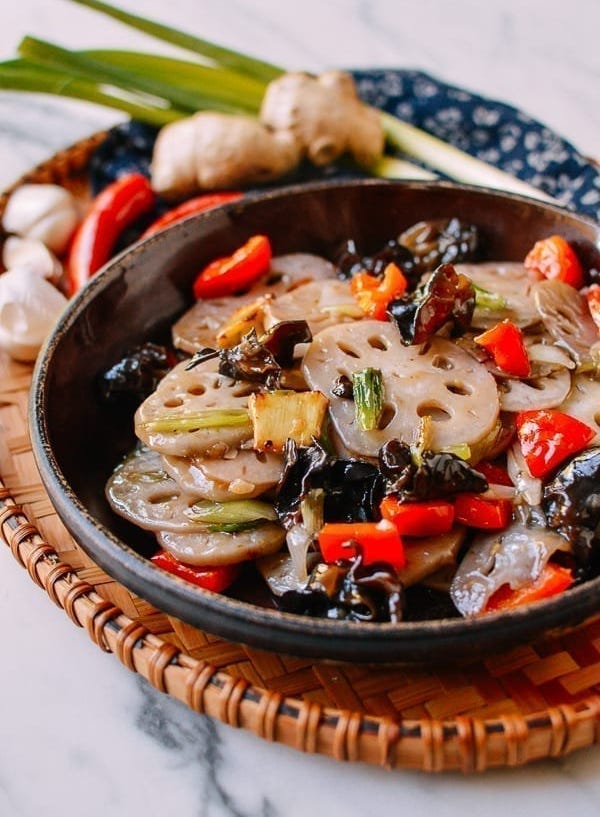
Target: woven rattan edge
x=464 y=743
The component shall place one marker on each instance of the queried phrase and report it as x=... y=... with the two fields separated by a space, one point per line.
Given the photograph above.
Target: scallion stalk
x=451 y=161
x=242 y=63
x=92 y=69
x=43 y=81
x=369 y=398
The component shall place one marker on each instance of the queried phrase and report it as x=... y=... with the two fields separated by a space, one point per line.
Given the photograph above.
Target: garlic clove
x=29 y=308
x=46 y=212
x=27 y=252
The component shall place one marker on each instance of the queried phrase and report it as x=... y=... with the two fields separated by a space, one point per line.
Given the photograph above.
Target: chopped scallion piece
x=236 y=512
x=211 y=418
x=369 y=398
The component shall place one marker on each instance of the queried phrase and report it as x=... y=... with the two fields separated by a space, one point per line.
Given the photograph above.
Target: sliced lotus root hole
x=388 y=414
x=459 y=388
x=378 y=342
x=196 y=391
x=173 y=402
x=442 y=362
x=437 y=413
x=343 y=347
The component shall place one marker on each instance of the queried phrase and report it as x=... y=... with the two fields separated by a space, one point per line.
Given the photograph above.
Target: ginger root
x=301 y=115
x=325 y=115
x=215 y=150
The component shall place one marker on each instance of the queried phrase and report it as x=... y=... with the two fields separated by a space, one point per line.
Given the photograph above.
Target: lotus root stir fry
x=403 y=432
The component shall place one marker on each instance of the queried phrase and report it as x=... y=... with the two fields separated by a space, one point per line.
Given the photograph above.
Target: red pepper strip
x=495 y=474
x=593 y=299
x=210 y=578
x=189 y=208
x=552 y=580
x=378 y=542
x=419 y=518
x=548 y=437
x=504 y=342
x=228 y=275
x=374 y=294
x=554 y=258
x=487 y=514
x=114 y=209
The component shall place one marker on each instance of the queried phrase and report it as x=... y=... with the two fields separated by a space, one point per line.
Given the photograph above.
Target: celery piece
x=234 y=527
x=236 y=512
x=369 y=398
x=211 y=418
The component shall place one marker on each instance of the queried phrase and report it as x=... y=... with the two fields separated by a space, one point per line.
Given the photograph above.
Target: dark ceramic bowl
x=77 y=441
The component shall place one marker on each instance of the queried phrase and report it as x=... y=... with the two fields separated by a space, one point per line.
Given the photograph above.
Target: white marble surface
x=96 y=740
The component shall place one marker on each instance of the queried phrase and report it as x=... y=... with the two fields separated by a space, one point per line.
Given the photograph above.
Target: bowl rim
x=383 y=641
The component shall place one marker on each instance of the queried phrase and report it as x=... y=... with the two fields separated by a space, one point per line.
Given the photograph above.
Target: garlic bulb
x=29 y=308
x=27 y=252
x=46 y=212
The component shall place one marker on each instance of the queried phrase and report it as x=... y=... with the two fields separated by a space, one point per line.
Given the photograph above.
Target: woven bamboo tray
x=536 y=701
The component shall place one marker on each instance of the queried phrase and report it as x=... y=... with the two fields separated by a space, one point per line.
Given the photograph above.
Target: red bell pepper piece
x=374 y=294
x=378 y=542
x=210 y=578
x=476 y=512
x=430 y=518
x=554 y=258
x=114 y=209
x=553 y=580
x=548 y=437
x=225 y=276
x=505 y=343
x=495 y=474
x=593 y=299
x=199 y=204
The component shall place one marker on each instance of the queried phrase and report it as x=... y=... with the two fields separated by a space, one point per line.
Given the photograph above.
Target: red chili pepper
x=554 y=258
x=114 y=209
x=593 y=299
x=374 y=294
x=495 y=474
x=378 y=541
x=419 y=518
x=476 y=512
x=552 y=580
x=548 y=437
x=505 y=343
x=225 y=276
x=210 y=578
x=189 y=208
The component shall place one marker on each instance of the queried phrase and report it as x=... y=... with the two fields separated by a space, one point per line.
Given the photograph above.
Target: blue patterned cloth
x=492 y=131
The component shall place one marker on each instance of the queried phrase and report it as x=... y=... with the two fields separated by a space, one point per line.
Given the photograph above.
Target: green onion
x=451 y=161
x=45 y=81
x=484 y=299
x=239 y=62
x=92 y=69
x=369 y=398
x=211 y=418
x=236 y=512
